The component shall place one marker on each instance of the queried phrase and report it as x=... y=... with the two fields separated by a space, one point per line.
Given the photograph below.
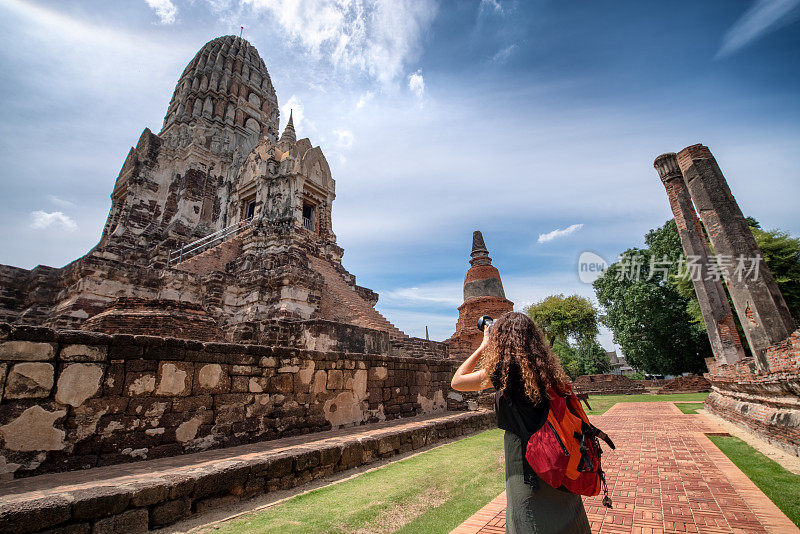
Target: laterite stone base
x=156 y=493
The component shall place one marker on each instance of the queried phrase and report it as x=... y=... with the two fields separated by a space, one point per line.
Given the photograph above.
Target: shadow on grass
x=432 y=492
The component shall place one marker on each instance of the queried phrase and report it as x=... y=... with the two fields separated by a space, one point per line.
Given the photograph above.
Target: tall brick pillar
x=762 y=311
x=483 y=295
x=717 y=313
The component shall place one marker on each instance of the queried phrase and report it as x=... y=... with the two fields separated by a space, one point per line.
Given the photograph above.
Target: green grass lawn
x=690 y=408
x=780 y=485
x=601 y=403
x=434 y=491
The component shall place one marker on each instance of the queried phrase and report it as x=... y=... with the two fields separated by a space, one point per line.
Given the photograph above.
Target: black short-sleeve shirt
x=532 y=415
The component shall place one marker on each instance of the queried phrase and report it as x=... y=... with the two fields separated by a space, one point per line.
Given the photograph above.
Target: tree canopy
x=656 y=318
x=571 y=325
x=564 y=318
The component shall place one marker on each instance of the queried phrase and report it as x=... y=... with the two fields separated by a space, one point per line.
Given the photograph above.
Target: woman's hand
x=486 y=336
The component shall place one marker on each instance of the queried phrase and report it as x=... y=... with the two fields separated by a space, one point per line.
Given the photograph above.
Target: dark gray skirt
x=545 y=510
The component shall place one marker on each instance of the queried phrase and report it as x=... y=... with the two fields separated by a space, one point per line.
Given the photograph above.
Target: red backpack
x=565 y=450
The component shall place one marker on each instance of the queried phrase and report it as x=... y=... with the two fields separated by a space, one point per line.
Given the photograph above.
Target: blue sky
x=520 y=119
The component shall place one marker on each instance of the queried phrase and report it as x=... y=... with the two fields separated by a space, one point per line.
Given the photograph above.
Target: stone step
x=144 y=495
x=366 y=314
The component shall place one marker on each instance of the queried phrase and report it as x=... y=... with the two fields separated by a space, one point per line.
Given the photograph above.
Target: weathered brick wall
x=767 y=402
x=607 y=385
x=418 y=347
x=74 y=399
x=685 y=384
x=155 y=317
x=467 y=337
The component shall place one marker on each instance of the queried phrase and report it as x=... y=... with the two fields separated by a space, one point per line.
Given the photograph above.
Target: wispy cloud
x=367 y=36
x=762 y=17
x=295 y=106
x=491 y=5
x=364 y=99
x=503 y=55
x=416 y=83
x=344 y=138
x=41 y=220
x=558 y=232
x=165 y=10
x=445 y=293
x=61 y=202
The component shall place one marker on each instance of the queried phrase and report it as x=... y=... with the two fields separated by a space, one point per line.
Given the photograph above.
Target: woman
x=516 y=357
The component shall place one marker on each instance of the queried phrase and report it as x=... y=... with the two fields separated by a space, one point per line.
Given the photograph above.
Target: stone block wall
x=75 y=399
x=764 y=402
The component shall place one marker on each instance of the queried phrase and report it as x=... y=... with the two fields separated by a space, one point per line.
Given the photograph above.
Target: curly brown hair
x=515 y=337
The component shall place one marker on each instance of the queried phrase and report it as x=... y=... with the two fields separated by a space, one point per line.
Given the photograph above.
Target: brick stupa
x=483 y=295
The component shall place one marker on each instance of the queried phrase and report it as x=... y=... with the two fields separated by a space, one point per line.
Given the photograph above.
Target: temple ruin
x=483 y=295
x=760 y=392
x=218 y=227
x=214 y=312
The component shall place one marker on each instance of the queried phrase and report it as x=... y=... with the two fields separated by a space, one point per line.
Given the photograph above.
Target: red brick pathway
x=665 y=477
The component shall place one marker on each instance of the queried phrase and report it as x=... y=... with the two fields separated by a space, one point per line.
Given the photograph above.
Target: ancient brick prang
x=214 y=212
x=483 y=295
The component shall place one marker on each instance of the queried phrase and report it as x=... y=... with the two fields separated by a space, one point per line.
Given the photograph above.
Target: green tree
x=592 y=358
x=568 y=357
x=571 y=325
x=565 y=318
x=648 y=317
x=781 y=253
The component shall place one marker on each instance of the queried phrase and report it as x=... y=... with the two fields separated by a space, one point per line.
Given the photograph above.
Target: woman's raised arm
x=466 y=378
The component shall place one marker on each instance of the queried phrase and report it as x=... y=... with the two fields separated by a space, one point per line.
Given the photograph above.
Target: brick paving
x=665 y=477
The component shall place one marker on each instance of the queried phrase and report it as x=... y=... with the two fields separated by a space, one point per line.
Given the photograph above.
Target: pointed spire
x=289 y=135
x=479 y=250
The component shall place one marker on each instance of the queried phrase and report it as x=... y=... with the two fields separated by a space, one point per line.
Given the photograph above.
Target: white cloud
x=444 y=293
x=61 y=202
x=364 y=100
x=762 y=17
x=295 y=106
x=491 y=4
x=344 y=138
x=417 y=83
x=165 y=10
x=549 y=236
x=367 y=36
x=42 y=219
x=503 y=55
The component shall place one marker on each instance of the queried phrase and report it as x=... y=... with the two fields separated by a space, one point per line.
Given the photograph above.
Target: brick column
x=762 y=311
x=714 y=306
